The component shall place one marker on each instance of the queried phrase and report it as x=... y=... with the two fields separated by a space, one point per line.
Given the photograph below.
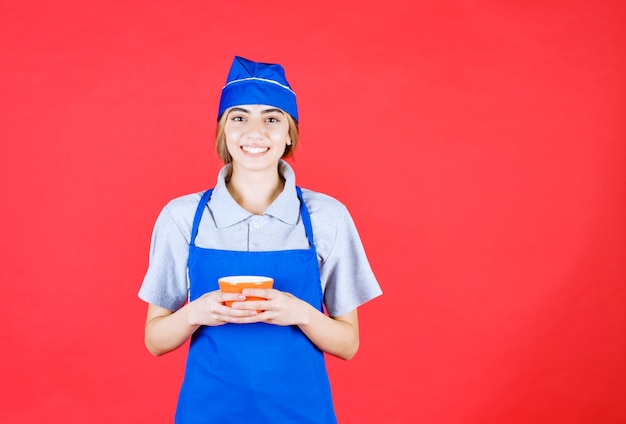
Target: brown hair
x=220 y=137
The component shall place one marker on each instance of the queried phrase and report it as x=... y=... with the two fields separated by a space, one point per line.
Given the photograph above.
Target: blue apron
x=255 y=373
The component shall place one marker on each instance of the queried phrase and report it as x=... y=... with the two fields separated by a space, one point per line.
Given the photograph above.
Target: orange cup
x=236 y=284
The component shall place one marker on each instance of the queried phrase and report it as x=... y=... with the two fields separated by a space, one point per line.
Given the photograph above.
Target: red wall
x=480 y=147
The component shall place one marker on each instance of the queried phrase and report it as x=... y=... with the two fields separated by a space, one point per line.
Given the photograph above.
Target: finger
x=255 y=305
x=264 y=293
x=256 y=317
x=227 y=313
x=230 y=297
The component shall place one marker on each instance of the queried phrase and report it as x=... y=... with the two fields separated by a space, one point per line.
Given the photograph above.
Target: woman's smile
x=254 y=150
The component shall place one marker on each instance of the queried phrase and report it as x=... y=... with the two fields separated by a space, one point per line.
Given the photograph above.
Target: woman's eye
x=272 y=119
x=237 y=118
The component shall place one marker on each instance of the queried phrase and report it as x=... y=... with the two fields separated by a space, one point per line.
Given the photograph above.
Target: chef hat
x=253 y=83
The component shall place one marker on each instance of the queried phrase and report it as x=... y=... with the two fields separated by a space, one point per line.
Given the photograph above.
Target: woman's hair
x=222 y=148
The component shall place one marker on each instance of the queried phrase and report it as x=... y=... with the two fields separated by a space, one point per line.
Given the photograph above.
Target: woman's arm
x=166 y=330
x=337 y=336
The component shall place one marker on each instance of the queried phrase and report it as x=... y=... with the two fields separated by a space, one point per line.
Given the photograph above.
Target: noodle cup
x=236 y=284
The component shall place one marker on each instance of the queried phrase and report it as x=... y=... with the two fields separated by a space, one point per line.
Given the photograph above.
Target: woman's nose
x=255 y=129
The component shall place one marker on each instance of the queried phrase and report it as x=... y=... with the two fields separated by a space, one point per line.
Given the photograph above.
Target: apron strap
x=306 y=219
x=304 y=215
x=196 y=219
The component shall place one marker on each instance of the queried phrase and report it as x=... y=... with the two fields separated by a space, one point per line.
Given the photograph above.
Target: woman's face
x=256 y=136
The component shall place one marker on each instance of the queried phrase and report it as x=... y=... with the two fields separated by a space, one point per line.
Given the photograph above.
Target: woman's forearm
x=165 y=330
x=337 y=336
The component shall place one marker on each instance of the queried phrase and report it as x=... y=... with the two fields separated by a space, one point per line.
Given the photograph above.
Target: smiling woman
x=267 y=349
x=256 y=137
x=247 y=124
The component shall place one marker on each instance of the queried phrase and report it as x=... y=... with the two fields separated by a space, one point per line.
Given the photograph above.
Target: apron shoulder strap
x=198 y=216
x=306 y=218
x=304 y=215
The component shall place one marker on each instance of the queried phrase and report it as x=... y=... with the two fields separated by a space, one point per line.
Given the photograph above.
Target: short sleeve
x=348 y=276
x=165 y=283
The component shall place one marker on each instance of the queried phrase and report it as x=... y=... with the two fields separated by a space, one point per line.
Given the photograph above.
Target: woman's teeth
x=254 y=150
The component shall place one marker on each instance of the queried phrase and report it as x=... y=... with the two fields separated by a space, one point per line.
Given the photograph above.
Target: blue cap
x=253 y=83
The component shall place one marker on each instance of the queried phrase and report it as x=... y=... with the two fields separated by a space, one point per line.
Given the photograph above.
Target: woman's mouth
x=254 y=150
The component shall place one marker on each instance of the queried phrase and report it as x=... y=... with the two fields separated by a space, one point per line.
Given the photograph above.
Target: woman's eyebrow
x=273 y=110
x=239 y=109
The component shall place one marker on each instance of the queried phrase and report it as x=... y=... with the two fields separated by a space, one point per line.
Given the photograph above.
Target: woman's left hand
x=338 y=336
x=279 y=308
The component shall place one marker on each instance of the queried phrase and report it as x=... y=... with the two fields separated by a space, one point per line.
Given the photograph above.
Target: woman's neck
x=255 y=191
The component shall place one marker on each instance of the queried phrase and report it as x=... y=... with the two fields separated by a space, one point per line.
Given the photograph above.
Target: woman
x=259 y=361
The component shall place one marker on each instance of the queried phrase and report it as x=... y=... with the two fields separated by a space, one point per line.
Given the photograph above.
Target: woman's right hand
x=166 y=330
x=209 y=309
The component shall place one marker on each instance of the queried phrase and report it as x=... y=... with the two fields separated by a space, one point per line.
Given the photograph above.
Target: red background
x=480 y=147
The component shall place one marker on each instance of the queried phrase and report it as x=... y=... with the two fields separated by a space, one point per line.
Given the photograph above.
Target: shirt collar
x=226 y=211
